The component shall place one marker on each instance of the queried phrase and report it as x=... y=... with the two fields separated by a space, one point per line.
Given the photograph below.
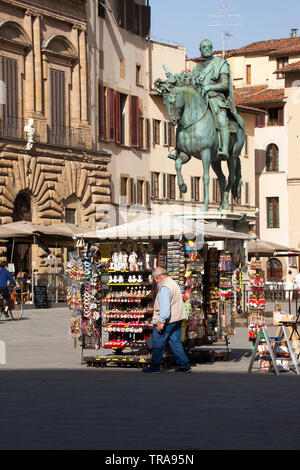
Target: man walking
x=167 y=320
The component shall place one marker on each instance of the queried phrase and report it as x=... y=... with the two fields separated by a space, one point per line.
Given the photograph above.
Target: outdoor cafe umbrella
x=20 y=229
x=65 y=229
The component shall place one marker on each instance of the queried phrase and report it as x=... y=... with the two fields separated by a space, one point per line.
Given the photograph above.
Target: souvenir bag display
x=84 y=293
x=226 y=295
x=193 y=296
x=176 y=262
x=211 y=295
x=238 y=290
x=256 y=301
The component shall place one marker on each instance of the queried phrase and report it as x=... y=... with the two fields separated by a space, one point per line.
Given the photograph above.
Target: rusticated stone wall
x=52 y=176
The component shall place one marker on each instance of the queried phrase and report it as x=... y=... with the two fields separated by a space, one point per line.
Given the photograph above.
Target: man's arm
x=9 y=276
x=164 y=299
x=222 y=86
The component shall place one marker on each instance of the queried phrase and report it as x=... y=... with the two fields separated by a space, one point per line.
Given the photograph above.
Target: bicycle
x=16 y=307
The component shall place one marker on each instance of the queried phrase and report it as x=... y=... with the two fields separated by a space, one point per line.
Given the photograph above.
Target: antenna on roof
x=224 y=15
x=293 y=33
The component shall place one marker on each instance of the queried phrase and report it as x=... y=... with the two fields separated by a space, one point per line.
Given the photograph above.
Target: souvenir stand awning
x=163 y=226
x=266 y=248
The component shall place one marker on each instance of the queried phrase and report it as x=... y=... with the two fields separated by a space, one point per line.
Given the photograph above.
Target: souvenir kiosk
x=119 y=289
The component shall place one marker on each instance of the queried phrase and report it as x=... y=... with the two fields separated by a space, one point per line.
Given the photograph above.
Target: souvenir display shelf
x=256 y=301
x=226 y=296
x=111 y=293
x=128 y=301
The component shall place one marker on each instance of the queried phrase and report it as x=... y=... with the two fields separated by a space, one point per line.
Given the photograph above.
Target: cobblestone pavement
x=49 y=400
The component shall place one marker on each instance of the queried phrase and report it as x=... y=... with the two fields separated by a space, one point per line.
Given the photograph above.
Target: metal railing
x=69 y=136
x=12 y=127
x=275 y=294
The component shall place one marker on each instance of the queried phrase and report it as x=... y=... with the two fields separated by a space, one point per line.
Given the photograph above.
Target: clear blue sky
x=187 y=21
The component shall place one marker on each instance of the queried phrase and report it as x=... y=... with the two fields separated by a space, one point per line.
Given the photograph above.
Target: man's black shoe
x=184 y=370
x=150 y=370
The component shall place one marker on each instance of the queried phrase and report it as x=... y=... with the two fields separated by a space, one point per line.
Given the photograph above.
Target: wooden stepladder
x=272 y=349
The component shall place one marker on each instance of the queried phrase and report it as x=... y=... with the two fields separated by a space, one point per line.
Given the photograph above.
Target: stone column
x=38 y=64
x=83 y=74
x=75 y=93
x=29 y=88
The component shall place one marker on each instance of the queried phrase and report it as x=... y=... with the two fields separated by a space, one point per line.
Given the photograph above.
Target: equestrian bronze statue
x=201 y=104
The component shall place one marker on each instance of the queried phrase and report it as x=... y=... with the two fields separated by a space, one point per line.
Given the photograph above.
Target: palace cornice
x=40 y=150
x=36 y=10
x=293 y=180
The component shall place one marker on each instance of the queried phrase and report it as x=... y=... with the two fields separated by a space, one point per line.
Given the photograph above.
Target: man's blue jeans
x=170 y=334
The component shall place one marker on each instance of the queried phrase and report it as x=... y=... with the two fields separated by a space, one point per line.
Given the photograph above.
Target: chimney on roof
x=294 y=32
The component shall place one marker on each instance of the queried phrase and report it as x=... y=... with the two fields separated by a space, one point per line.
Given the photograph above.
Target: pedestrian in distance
x=167 y=320
x=5 y=276
x=289 y=285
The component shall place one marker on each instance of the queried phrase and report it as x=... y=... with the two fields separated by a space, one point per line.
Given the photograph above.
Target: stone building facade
x=61 y=176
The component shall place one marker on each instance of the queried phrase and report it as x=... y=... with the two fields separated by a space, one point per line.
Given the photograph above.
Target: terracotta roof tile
x=294 y=67
x=271 y=46
x=258 y=95
x=292 y=47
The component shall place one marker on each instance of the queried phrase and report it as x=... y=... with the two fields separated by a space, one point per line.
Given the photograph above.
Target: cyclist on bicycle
x=5 y=276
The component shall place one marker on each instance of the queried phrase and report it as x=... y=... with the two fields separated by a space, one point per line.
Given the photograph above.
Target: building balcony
x=62 y=136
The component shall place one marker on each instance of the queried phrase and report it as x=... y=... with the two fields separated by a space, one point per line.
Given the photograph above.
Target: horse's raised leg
x=217 y=167
x=181 y=160
x=231 y=163
x=206 y=160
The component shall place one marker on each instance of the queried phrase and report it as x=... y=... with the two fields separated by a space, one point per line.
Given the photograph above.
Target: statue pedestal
x=239 y=222
x=234 y=221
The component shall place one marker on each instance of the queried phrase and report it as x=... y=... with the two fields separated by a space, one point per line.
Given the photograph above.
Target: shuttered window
x=216 y=191
x=132 y=191
x=58 y=107
x=164 y=185
x=133 y=17
x=195 y=188
x=102 y=112
x=70 y=216
x=171 y=135
x=272 y=212
x=111 y=114
x=124 y=190
x=155 y=184
x=247 y=195
x=272 y=158
x=140 y=192
x=248 y=74
x=260 y=120
x=9 y=102
x=276 y=116
x=171 y=180
x=117 y=121
x=156 y=131
x=134 y=121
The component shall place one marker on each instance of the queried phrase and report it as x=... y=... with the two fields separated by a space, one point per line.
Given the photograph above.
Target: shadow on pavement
x=123 y=409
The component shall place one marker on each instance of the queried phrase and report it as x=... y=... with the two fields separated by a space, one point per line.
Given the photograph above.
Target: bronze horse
x=197 y=137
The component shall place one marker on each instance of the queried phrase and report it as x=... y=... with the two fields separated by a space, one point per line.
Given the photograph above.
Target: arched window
x=72 y=213
x=22 y=208
x=274 y=270
x=272 y=158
